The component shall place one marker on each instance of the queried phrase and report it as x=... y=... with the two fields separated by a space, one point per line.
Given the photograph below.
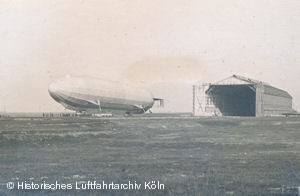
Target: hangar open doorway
x=233 y=100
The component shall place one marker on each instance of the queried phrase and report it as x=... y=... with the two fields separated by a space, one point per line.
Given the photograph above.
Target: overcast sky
x=166 y=45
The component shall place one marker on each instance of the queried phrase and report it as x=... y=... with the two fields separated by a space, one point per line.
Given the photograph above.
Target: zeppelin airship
x=94 y=95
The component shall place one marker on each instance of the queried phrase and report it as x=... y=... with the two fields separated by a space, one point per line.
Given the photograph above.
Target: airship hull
x=93 y=95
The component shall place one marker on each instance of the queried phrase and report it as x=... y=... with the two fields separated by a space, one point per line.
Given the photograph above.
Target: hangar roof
x=240 y=80
x=235 y=79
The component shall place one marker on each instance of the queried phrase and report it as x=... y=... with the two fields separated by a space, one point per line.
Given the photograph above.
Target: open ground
x=190 y=156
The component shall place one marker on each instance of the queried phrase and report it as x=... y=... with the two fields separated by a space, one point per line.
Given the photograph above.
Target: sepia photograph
x=155 y=98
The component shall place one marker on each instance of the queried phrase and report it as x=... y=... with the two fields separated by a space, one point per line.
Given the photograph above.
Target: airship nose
x=53 y=88
x=54 y=91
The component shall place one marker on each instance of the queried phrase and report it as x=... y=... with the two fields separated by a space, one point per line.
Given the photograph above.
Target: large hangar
x=240 y=96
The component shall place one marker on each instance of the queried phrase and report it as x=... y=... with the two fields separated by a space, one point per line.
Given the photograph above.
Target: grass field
x=190 y=156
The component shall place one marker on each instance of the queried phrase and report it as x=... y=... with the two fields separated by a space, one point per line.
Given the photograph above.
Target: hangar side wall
x=275 y=105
